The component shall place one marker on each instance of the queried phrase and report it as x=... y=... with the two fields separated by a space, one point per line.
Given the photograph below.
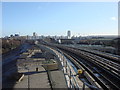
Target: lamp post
x=28 y=76
x=28 y=80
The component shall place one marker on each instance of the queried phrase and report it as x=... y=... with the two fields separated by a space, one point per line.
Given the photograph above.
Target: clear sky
x=56 y=18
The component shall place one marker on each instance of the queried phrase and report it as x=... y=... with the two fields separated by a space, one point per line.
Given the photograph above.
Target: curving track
x=105 y=72
x=112 y=57
x=104 y=68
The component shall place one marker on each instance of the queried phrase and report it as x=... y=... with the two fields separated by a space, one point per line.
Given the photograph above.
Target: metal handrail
x=75 y=85
x=73 y=77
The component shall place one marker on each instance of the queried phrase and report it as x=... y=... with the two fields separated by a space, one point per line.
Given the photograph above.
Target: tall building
x=34 y=35
x=69 y=35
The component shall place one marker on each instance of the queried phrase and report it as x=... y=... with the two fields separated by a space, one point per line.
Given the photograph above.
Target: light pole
x=28 y=79
x=28 y=76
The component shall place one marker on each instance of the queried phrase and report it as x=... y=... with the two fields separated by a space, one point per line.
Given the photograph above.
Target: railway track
x=114 y=58
x=112 y=65
x=104 y=69
x=105 y=72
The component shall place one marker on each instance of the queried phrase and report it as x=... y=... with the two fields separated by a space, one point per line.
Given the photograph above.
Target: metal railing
x=68 y=69
x=69 y=72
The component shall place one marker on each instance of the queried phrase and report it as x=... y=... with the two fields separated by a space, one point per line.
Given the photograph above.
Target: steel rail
x=115 y=68
x=112 y=66
x=112 y=57
x=108 y=76
x=78 y=54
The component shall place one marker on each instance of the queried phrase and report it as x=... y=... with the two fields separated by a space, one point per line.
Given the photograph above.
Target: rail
x=68 y=71
x=97 y=63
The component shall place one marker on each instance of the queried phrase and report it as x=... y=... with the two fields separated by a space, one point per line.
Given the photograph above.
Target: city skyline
x=53 y=18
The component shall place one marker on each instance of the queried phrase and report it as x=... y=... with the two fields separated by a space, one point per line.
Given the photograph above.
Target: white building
x=69 y=35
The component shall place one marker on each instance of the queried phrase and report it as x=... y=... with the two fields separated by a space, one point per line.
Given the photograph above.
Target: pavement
x=9 y=65
x=34 y=79
x=58 y=79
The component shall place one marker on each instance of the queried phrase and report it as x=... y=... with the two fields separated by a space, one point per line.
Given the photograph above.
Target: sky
x=56 y=18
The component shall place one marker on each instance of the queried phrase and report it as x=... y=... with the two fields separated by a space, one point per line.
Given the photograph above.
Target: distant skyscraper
x=69 y=34
x=16 y=35
x=34 y=35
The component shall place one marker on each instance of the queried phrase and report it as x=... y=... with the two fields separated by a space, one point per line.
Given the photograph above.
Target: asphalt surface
x=9 y=62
